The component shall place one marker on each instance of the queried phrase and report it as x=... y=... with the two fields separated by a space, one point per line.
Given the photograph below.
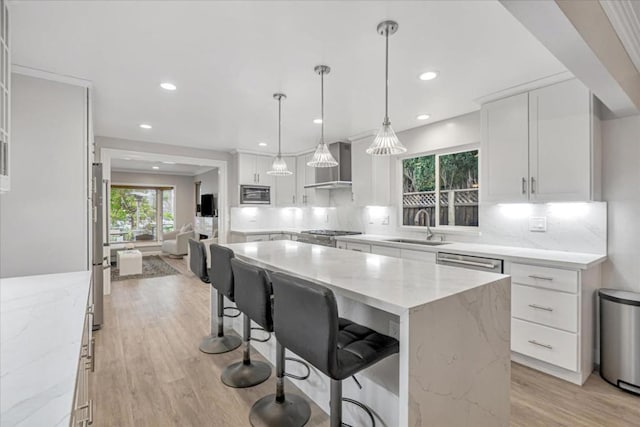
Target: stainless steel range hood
x=339 y=176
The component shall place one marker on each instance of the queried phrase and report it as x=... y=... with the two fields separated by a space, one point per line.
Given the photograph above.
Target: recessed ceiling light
x=317 y=121
x=155 y=167
x=168 y=86
x=428 y=75
x=169 y=163
x=262 y=144
x=145 y=126
x=422 y=116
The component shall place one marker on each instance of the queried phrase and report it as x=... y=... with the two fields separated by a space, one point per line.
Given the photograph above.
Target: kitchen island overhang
x=453 y=325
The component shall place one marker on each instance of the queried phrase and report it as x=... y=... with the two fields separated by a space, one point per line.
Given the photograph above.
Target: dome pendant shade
x=386 y=143
x=279 y=166
x=322 y=158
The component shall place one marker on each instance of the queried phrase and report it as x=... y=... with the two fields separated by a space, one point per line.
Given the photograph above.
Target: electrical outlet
x=394 y=329
x=538 y=223
x=385 y=220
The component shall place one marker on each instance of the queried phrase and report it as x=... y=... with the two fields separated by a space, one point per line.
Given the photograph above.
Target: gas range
x=323 y=237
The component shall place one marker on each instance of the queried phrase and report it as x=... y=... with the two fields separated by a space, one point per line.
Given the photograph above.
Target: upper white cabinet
x=540 y=146
x=252 y=169
x=370 y=176
x=286 y=185
x=307 y=175
x=5 y=100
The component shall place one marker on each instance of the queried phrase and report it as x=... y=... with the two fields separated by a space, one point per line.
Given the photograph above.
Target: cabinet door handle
x=93 y=354
x=534 y=276
x=534 y=342
x=533 y=185
x=524 y=185
x=293 y=199
x=540 y=307
x=258 y=179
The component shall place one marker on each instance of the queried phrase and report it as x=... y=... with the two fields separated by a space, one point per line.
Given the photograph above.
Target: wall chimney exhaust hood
x=338 y=176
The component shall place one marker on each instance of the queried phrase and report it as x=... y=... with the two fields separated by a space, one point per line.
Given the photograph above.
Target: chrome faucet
x=417 y=218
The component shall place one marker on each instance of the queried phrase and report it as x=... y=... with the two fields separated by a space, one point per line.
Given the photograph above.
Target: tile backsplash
x=576 y=227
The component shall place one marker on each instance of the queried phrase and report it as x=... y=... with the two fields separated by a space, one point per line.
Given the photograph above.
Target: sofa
x=176 y=243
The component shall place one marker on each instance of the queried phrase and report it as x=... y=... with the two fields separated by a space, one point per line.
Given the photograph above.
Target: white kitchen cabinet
x=257 y=238
x=540 y=146
x=358 y=247
x=280 y=236
x=307 y=175
x=385 y=250
x=427 y=257
x=252 y=169
x=5 y=98
x=370 y=175
x=286 y=185
x=552 y=319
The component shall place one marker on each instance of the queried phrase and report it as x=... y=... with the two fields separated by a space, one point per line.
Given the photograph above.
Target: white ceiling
x=228 y=58
x=138 y=165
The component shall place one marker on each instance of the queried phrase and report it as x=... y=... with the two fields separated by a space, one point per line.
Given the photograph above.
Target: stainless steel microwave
x=255 y=195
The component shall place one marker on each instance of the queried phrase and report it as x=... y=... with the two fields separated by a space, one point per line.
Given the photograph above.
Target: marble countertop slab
x=41 y=326
x=562 y=259
x=391 y=284
x=247 y=232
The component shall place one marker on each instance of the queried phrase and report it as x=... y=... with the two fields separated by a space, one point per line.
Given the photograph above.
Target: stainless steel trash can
x=620 y=338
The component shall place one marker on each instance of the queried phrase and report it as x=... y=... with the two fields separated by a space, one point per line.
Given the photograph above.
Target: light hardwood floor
x=149 y=371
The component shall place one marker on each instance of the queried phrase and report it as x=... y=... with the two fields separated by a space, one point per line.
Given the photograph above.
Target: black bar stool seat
x=306 y=322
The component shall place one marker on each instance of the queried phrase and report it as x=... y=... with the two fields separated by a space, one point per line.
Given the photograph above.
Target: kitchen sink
x=418 y=242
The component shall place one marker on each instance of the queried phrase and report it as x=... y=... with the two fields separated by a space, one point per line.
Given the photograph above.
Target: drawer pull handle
x=534 y=342
x=357 y=250
x=539 y=307
x=533 y=276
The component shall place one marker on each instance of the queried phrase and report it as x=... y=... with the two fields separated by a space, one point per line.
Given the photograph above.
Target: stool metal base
x=212 y=344
x=242 y=375
x=294 y=411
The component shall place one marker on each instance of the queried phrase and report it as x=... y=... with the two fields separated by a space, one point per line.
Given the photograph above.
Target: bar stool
x=221 y=278
x=252 y=293
x=306 y=322
x=254 y=298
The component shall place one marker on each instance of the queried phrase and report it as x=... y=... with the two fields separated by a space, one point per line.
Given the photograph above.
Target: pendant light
x=279 y=166
x=322 y=158
x=386 y=142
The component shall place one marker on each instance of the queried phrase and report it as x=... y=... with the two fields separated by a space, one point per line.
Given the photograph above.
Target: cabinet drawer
x=418 y=255
x=550 y=345
x=257 y=238
x=545 y=277
x=555 y=309
x=341 y=245
x=359 y=247
x=385 y=250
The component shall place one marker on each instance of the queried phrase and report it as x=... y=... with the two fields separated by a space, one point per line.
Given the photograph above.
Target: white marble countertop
x=391 y=284
x=41 y=325
x=247 y=232
x=562 y=259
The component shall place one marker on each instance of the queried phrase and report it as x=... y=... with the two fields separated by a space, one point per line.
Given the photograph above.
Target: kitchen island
x=453 y=325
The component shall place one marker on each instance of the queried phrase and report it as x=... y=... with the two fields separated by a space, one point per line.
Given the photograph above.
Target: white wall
x=184 y=190
x=621 y=188
x=43 y=219
x=209 y=182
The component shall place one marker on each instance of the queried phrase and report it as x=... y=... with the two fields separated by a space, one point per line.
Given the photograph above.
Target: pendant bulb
x=322 y=158
x=386 y=142
x=279 y=166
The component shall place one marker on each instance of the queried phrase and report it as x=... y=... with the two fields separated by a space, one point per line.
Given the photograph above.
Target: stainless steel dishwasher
x=470 y=262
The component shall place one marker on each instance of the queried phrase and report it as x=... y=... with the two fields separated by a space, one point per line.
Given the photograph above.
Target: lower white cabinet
x=257 y=238
x=83 y=403
x=358 y=247
x=415 y=255
x=552 y=319
x=385 y=250
x=418 y=255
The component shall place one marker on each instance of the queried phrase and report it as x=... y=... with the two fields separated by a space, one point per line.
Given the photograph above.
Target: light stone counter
x=41 y=325
x=454 y=327
x=562 y=259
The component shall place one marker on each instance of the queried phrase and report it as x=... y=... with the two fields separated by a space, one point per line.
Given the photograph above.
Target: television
x=208 y=205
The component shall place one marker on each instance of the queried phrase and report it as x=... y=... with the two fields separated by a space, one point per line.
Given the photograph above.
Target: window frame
x=159 y=210
x=443 y=229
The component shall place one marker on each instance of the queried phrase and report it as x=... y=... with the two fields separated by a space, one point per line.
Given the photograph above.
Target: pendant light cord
x=279 y=125
x=322 y=106
x=386 y=77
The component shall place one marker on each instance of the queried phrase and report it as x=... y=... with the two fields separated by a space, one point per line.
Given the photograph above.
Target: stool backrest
x=253 y=293
x=221 y=275
x=198 y=260
x=306 y=320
